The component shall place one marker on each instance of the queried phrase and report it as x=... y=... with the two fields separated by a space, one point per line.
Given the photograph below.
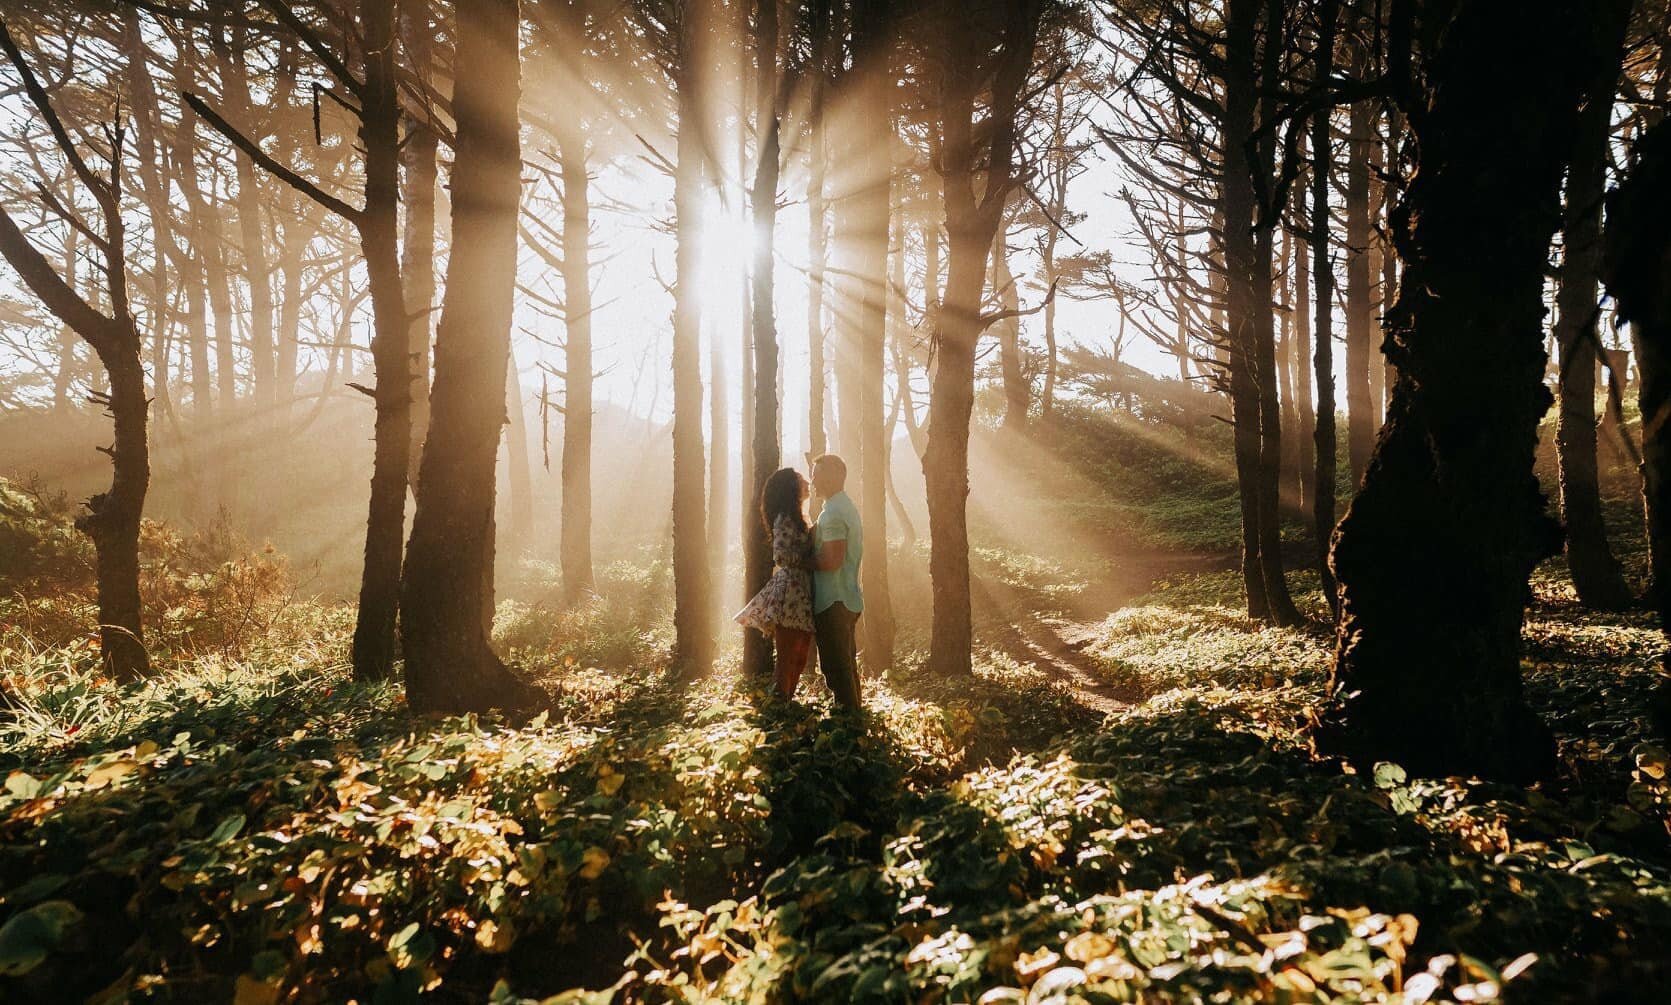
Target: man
x=836 y=600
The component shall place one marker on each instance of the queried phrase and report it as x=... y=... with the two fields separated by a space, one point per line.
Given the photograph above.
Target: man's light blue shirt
x=839 y=521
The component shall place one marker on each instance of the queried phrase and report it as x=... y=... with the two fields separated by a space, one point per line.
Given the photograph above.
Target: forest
x=916 y=501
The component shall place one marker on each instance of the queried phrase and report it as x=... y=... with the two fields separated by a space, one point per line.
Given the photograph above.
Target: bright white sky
x=633 y=316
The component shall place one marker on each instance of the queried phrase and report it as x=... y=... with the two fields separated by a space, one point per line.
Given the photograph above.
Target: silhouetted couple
x=814 y=589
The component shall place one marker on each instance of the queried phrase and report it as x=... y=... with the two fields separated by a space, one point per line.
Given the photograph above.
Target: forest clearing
x=918 y=501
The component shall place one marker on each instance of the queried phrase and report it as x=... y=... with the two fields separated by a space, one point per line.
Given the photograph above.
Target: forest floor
x=1119 y=805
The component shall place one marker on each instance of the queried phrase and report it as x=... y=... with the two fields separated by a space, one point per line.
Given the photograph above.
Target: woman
x=782 y=610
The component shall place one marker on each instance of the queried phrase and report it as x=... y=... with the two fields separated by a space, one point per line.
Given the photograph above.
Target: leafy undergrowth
x=251 y=825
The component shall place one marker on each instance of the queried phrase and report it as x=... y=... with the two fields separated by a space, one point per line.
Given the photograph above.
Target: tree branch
x=268 y=164
x=316 y=45
x=58 y=296
x=37 y=96
x=988 y=320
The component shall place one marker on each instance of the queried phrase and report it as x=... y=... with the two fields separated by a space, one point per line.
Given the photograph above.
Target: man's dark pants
x=838 y=652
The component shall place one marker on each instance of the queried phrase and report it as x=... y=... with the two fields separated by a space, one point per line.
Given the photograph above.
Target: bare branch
x=268 y=164
x=37 y=95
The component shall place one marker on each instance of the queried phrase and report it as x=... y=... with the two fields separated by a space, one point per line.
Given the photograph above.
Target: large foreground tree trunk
x=1595 y=571
x=1435 y=554
x=450 y=666
x=1637 y=270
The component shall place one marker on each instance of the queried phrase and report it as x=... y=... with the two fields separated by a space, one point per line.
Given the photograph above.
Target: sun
x=727 y=243
x=727 y=230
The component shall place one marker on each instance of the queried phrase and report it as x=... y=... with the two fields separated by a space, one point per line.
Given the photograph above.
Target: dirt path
x=1055 y=642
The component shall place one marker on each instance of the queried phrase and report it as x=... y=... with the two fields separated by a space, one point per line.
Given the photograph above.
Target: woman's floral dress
x=786 y=599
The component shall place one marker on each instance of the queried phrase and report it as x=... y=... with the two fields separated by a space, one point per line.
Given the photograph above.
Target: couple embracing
x=814 y=589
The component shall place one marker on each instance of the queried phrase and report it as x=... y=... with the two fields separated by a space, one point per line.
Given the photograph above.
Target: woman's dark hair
x=782 y=497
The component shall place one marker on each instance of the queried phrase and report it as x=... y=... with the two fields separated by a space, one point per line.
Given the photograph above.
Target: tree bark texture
x=450 y=665
x=973 y=215
x=379 y=227
x=1435 y=553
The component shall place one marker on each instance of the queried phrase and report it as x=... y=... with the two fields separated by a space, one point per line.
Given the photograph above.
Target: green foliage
x=38 y=543
x=1194 y=631
x=204 y=592
x=622 y=625
x=251 y=825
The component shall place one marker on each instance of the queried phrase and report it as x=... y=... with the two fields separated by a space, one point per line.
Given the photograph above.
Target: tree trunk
x=518 y=473
x=208 y=238
x=748 y=508
x=951 y=401
x=897 y=328
x=189 y=270
x=1306 y=412
x=65 y=375
x=1596 y=574
x=575 y=545
x=1016 y=392
x=818 y=241
x=973 y=215
x=379 y=226
x=1636 y=266
x=693 y=645
x=235 y=80
x=1047 y=393
x=1436 y=550
x=450 y=665
x=297 y=235
x=844 y=349
x=868 y=201
x=1375 y=368
x=417 y=263
x=1285 y=374
x=154 y=193
x=1247 y=299
x=1360 y=312
x=1282 y=609
x=719 y=456
x=1322 y=269
x=112 y=517
x=765 y=450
